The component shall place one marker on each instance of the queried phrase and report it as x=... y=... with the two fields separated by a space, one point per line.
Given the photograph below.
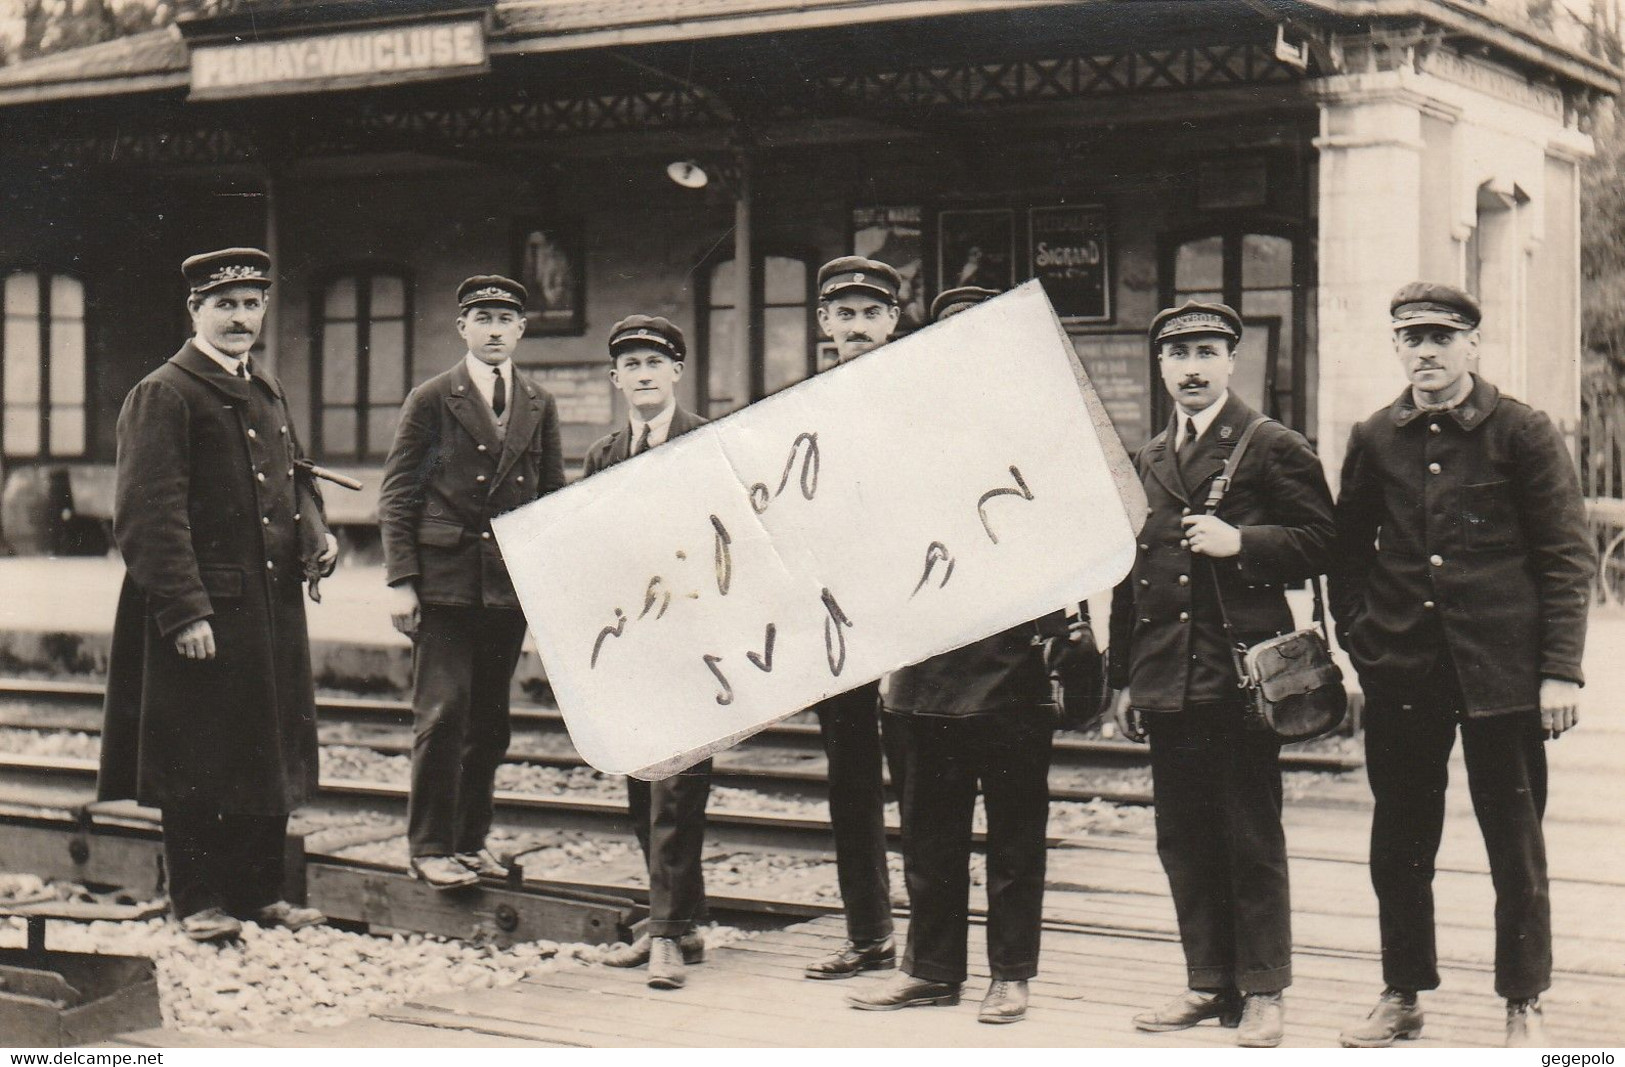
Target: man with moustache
x=647 y=355
x=473 y=442
x=1217 y=783
x=210 y=707
x=1463 y=579
x=857 y=309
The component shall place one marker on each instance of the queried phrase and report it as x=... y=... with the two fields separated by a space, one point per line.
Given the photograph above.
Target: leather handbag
x=1077 y=671
x=1294 y=687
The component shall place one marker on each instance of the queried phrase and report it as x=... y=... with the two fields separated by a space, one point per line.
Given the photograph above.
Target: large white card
x=937 y=490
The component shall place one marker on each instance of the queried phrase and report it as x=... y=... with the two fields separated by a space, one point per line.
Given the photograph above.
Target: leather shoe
x=1397 y=1017
x=1526 y=1024
x=1263 y=1020
x=1190 y=1008
x=211 y=924
x=1006 y=1002
x=288 y=916
x=903 y=990
x=482 y=863
x=853 y=957
x=442 y=872
x=665 y=964
x=638 y=952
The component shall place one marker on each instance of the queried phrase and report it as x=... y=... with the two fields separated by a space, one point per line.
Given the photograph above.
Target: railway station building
x=699 y=159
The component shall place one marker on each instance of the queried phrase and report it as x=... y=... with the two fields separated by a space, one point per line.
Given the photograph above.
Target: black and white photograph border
x=230 y=570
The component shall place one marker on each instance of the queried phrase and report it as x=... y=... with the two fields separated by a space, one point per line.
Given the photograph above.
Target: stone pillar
x=1371 y=151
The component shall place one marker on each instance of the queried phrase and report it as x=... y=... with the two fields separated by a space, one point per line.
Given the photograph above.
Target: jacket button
x=1145 y=548
x=283 y=430
x=1145 y=581
x=1434 y=427
x=1184 y=511
x=1437 y=561
x=1184 y=616
x=1145 y=620
x=480 y=478
x=260 y=475
x=1184 y=579
x=1430 y=605
x=1434 y=468
x=251 y=433
x=290 y=472
x=479 y=448
x=485 y=535
x=270 y=566
x=265 y=520
x=296 y=516
x=520 y=479
x=1184 y=542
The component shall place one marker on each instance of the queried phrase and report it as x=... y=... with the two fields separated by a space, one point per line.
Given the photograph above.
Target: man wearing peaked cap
x=1469 y=617
x=1217 y=781
x=210 y=707
x=476 y=440
x=951 y=302
x=857 y=309
x=647 y=357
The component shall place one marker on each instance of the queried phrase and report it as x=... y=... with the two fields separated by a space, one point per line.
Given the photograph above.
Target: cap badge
x=488 y=291
x=858 y=277
x=232 y=273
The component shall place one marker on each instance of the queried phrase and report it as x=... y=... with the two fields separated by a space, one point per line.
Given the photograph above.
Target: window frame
x=366 y=451
x=701 y=353
x=49 y=271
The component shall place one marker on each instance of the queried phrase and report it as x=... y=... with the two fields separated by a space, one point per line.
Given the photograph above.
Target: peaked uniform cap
x=208 y=271
x=859 y=274
x=1196 y=317
x=953 y=301
x=491 y=290
x=1434 y=304
x=652 y=330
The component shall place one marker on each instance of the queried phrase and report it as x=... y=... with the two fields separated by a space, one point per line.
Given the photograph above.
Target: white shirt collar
x=484 y=380
x=230 y=364
x=1203 y=419
x=659 y=426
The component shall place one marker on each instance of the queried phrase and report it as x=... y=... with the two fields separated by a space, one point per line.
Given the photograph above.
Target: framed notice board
x=1119 y=365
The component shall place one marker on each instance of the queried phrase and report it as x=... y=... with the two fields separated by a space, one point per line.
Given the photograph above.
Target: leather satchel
x=1294 y=688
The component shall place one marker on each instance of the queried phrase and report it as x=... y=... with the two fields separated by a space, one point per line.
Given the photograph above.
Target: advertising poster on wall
x=896 y=237
x=1071 y=256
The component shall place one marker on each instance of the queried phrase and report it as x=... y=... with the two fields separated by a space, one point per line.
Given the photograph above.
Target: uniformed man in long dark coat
x=474 y=441
x=857 y=309
x=211 y=712
x=1217 y=783
x=647 y=356
x=1463 y=578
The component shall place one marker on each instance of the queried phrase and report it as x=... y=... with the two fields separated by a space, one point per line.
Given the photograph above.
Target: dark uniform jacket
x=998 y=674
x=214 y=523
x=448 y=474
x=1167 y=639
x=1462 y=531
x=615 y=447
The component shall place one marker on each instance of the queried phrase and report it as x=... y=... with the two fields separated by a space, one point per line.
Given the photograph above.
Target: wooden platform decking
x=1113 y=951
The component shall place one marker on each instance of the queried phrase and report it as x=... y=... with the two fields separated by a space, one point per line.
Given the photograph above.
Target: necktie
x=242 y=366
x=499 y=395
x=1187 y=446
x=643 y=441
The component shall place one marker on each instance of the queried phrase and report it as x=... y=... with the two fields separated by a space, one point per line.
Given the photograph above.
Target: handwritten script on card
x=939 y=489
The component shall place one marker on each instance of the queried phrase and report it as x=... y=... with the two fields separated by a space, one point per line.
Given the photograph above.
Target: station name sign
x=339 y=60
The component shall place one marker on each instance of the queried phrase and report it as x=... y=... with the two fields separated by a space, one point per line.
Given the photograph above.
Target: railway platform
x=1110 y=946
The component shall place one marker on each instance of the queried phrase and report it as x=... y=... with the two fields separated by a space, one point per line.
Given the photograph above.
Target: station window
x=783 y=352
x=363 y=362
x=1257 y=274
x=42 y=351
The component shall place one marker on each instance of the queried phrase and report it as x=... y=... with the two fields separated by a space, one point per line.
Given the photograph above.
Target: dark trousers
x=850 y=725
x=232 y=862
x=1407 y=751
x=669 y=819
x=1007 y=755
x=1217 y=788
x=463 y=661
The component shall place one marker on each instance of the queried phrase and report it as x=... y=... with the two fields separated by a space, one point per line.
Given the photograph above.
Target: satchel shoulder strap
x=1221 y=485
